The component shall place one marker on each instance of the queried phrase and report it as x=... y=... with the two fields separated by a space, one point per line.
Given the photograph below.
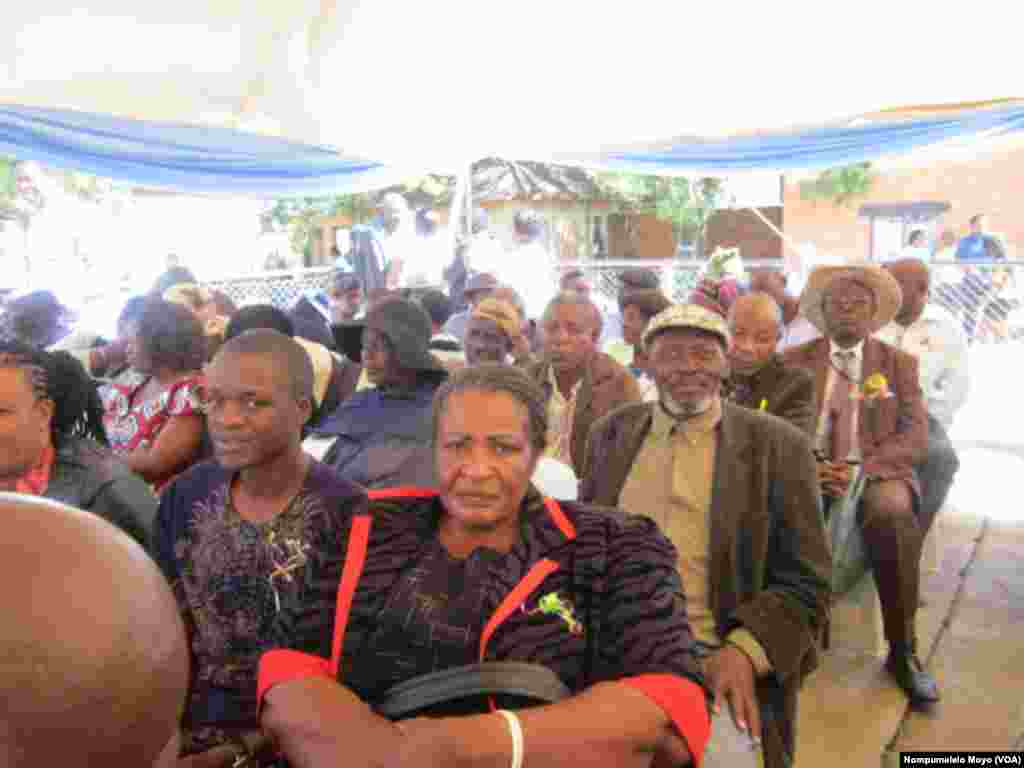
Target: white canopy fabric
x=434 y=86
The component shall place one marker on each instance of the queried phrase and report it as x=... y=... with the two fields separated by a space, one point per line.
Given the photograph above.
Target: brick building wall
x=642 y=236
x=987 y=183
x=743 y=229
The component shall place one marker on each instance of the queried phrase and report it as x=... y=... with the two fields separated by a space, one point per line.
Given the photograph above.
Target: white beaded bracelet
x=515 y=729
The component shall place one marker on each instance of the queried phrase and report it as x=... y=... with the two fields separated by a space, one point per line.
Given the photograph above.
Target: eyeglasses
x=845 y=302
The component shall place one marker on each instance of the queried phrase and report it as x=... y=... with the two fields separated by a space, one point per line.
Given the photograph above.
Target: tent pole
x=786 y=239
x=455 y=214
x=469 y=200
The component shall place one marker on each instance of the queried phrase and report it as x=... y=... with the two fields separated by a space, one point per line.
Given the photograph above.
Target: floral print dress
x=131 y=424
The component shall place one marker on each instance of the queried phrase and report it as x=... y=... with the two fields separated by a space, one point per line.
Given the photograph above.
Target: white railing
x=282 y=288
x=987 y=299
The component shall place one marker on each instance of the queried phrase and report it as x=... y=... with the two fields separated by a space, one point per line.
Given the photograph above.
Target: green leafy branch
x=840 y=186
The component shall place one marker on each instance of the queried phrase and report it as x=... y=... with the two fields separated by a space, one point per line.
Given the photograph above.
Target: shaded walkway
x=970 y=635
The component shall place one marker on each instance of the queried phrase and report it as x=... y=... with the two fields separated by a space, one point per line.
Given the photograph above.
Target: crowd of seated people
x=347 y=499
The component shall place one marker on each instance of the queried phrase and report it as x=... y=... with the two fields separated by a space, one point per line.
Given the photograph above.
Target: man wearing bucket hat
x=736 y=491
x=380 y=437
x=871 y=424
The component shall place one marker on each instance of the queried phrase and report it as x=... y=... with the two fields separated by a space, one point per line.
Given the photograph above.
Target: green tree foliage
x=20 y=198
x=840 y=186
x=90 y=189
x=688 y=203
x=298 y=216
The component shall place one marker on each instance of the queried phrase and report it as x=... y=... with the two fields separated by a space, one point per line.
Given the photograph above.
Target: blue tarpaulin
x=815 y=148
x=216 y=160
x=196 y=159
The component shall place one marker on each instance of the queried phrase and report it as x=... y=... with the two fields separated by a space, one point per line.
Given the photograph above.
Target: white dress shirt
x=940 y=346
x=856 y=366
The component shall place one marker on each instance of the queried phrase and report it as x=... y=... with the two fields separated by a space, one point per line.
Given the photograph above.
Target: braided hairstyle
x=57 y=376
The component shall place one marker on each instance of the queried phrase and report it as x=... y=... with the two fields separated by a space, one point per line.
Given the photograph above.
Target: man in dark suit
x=736 y=491
x=582 y=383
x=871 y=413
x=759 y=379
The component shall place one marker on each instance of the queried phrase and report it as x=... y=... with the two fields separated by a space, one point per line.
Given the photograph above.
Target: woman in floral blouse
x=151 y=414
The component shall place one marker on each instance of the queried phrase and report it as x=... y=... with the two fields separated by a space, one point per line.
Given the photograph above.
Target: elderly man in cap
x=759 y=378
x=582 y=383
x=871 y=425
x=494 y=334
x=380 y=437
x=93 y=656
x=736 y=490
x=478 y=287
x=932 y=335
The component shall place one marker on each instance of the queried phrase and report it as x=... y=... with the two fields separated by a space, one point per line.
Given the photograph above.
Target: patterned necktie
x=844 y=407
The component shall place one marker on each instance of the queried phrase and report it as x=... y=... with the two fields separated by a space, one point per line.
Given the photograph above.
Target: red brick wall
x=744 y=229
x=650 y=238
x=987 y=183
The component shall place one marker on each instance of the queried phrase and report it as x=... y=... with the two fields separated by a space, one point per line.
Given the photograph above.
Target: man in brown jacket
x=737 y=492
x=759 y=379
x=871 y=412
x=582 y=383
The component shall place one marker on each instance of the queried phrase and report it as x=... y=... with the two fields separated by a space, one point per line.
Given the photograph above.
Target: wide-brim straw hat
x=888 y=296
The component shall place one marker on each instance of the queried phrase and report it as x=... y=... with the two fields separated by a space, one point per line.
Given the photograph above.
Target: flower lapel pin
x=552 y=604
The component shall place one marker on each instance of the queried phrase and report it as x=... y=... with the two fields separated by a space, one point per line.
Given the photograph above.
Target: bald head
x=759 y=306
x=756 y=325
x=93 y=661
x=915 y=285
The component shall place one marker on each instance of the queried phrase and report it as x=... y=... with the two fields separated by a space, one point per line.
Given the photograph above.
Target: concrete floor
x=970 y=634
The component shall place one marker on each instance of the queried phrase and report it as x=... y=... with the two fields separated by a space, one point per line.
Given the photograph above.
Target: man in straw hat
x=871 y=424
x=728 y=485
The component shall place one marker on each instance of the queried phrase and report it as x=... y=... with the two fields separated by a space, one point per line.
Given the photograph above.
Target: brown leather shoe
x=919 y=685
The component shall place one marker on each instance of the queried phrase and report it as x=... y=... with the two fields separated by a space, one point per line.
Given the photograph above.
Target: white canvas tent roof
x=390 y=87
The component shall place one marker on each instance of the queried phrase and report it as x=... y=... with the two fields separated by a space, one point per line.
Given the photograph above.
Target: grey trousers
x=936 y=474
x=729 y=747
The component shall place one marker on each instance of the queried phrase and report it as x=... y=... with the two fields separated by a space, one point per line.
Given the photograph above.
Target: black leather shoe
x=919 y=685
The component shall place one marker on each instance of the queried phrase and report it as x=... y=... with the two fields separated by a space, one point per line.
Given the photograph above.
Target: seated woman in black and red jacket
x=52 y=442
x=485 y=569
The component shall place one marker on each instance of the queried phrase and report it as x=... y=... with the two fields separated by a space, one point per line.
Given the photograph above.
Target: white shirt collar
x=857 y=349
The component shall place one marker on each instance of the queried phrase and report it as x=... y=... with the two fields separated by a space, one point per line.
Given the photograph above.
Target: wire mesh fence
x=280 y=288
x=987 y=300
